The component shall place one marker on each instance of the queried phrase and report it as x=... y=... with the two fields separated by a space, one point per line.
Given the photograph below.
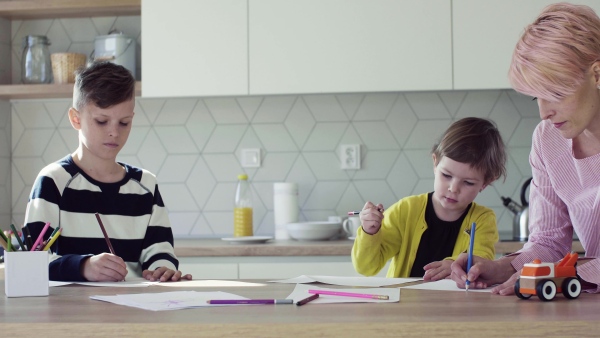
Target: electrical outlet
x=251 y=158
x=350 y=156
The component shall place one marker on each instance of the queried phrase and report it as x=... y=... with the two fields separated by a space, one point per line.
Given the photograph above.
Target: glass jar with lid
x=35 y=61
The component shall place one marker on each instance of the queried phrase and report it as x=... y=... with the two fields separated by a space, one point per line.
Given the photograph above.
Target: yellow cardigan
x=400 y=234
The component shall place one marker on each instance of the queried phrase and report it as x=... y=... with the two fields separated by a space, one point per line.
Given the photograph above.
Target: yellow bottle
x=242 y=211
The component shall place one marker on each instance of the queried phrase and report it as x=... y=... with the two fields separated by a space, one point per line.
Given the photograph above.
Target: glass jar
x=35 y=62
x=242 y=211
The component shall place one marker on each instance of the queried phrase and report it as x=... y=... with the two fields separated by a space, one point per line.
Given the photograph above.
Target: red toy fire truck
x=546 y=279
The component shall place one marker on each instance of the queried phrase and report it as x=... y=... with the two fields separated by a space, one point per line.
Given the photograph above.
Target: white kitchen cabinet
x=207 y=269
x=324 y=46
x=295 y=269
x=485 y=34
x=194 y=48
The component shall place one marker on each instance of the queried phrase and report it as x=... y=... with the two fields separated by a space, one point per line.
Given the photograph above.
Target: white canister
x=116 y=48
x=285 y=205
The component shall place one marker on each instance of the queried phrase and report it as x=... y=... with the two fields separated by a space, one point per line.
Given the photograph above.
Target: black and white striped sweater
x=132 y=211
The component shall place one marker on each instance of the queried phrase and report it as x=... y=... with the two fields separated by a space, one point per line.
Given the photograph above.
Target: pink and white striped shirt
x=564 y=197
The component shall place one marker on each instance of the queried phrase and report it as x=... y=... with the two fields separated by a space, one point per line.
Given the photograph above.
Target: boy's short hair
x=477 y=142
x=103 y=84
x=555 y=51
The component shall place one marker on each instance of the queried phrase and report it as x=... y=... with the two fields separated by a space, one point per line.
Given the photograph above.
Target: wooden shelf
x=43 y=9
x=44 y=91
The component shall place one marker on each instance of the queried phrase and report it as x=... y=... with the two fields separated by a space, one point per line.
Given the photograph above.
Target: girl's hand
x=438 y=270
x=370 y=217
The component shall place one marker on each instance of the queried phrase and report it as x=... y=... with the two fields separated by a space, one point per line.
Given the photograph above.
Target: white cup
x=351 y=225
x=336 y=219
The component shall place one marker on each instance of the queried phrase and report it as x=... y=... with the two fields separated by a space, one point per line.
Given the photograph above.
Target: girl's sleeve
x=370 y=253
x=486 y=236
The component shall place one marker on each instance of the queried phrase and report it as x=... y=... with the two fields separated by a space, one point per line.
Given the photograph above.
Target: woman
x=556 y=61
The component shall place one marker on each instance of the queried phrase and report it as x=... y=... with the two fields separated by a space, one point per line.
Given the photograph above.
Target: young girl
x=70 y=192
x=423 y=234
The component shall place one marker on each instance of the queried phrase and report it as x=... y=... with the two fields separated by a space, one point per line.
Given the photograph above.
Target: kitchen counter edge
x=341 y=247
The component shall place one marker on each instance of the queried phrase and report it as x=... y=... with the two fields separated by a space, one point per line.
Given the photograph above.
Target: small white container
x=26 y=273
x=285 y=205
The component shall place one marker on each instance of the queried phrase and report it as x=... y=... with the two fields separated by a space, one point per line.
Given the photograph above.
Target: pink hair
x=554 y=53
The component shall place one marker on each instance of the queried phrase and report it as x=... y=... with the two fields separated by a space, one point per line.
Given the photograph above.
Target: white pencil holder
x=26 y=273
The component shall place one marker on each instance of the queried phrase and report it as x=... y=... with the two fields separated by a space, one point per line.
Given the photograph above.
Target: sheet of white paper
x=207 y=283
x=301 y=291
x=176 y=300
x=141 y=283
x=348 y=281
x=443 y=285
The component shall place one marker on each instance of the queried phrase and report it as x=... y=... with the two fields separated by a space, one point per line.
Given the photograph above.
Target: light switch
x=251 y=158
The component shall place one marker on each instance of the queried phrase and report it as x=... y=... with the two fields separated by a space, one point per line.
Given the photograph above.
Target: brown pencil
x=307 y=299
x=110 y=247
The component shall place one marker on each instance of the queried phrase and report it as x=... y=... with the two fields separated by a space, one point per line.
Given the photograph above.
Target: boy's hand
x=370 y=217
x=104 y=267
x=438 y=270
x=164 y=274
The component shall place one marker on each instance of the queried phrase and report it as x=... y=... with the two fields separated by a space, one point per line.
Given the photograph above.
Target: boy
x=69 y=192
x=427 y=232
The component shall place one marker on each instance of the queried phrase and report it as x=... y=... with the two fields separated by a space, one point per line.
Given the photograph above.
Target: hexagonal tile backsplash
x=196 y=152
x=194 y=145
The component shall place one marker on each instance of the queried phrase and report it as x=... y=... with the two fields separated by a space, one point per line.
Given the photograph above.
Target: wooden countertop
x=343 y=247
x=69 y=310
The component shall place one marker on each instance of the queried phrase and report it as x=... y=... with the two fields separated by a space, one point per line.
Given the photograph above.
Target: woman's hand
x=507 y=288
x=370 y=217
x=164 y=274
x=484 y=273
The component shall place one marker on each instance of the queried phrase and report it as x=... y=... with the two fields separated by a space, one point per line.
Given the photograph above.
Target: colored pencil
x=40 y=238
x=250 y=301
x=3 y=243
x=110 y=247
x=52 y=239
x=9 y=246
x=349 y=294
x=307 y=299
x=3 y=236
x=28 y=239
x=470 y=258
x=12 y=226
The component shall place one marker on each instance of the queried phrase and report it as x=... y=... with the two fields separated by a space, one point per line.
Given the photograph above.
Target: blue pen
x=470 y=260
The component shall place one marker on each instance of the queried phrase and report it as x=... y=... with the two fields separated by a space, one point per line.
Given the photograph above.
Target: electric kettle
x=521 y=212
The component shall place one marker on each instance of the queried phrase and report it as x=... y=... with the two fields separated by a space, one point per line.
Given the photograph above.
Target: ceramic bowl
x=313 y=231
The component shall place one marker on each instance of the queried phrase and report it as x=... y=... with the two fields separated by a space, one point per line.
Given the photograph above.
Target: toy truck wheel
x=571 y=288
x=546 y=290
x=518 y=289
